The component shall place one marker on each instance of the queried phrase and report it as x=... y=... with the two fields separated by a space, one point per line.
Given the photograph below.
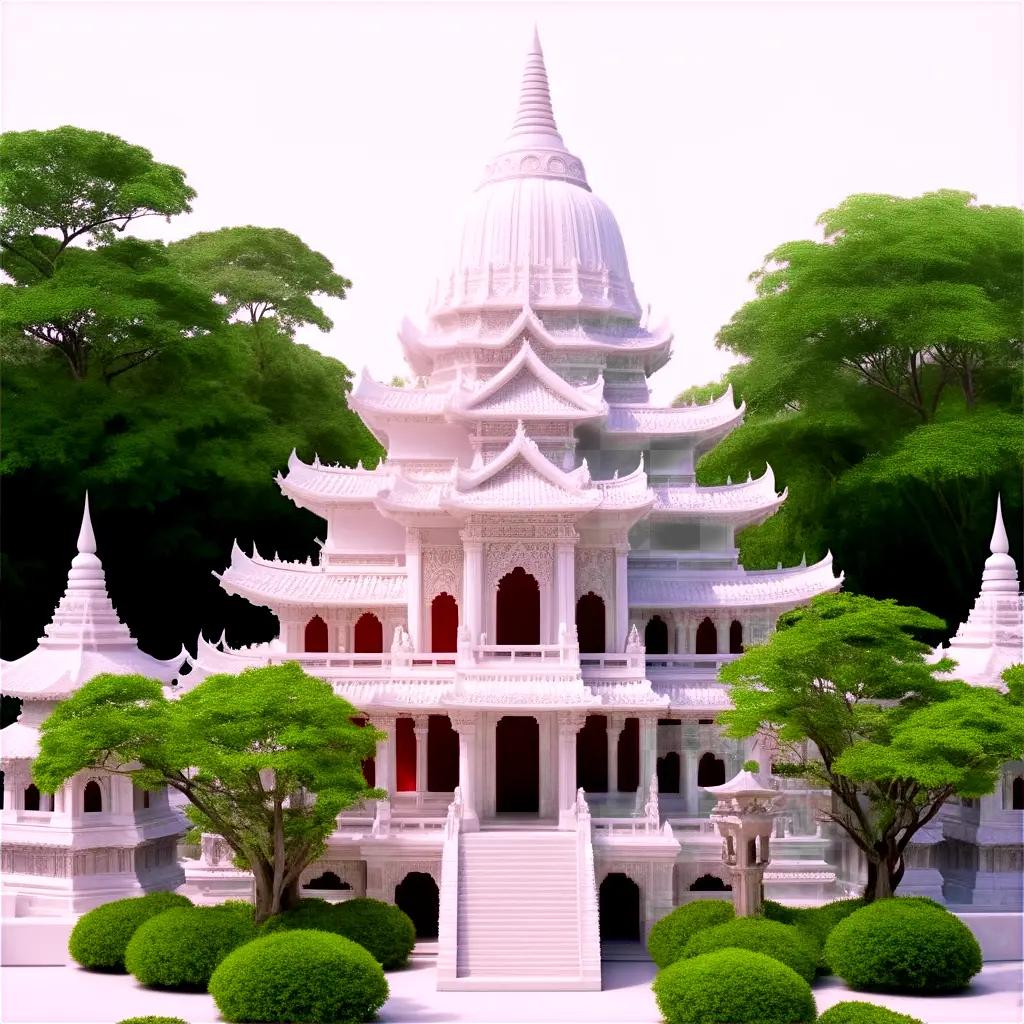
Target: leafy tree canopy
x=268 y=759
x=893 y=736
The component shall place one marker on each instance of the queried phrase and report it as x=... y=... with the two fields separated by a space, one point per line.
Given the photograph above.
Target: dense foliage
x=882 y=375
x=382 y=928
x=903 y=945
x=180 y=948
x=864 y=1013
x=814 y=923
x=299 y=976
x=163 y=379
x=782 y=942
x=267 y=759
x=101 y=936
x=670 y=935
x=892 y=738
x=152 y=1020
x=733 y=985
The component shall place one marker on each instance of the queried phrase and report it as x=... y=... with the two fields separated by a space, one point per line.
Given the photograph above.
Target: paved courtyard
x=69 y=994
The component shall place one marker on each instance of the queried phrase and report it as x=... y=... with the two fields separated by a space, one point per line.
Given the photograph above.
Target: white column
x=648 y=749
x=384 y=762
x=472 y=587
x=680 y=634
x=565 y=586
x=722 y=630
x=414 y=588
x=691 y=633
x=465 y=725
x=421 y=729
x=569 y=723
x=621 y=599
x=616 y=723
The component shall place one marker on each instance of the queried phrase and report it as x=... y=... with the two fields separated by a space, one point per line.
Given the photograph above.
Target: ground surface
x=66 y=994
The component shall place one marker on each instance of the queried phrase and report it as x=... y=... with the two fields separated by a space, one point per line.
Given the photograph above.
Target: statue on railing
x=633 y=641
x=581 y=807
x=652 y=812
x=454 y=816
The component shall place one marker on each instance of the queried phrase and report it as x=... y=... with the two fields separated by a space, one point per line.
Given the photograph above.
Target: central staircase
x=521 y=921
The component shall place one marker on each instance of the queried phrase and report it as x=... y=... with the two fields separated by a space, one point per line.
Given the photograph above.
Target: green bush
x=864 y=1013
x=152 y=1020
x=100 y=937
x=387 y=932
x=903 y=945
x=670 y=935
x=781 y=942
x=814 y=923
x=733 y=985
x=299 y=976
x=180 y=948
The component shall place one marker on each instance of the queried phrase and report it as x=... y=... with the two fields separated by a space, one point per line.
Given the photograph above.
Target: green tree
x=892 y=739
x=267 y=759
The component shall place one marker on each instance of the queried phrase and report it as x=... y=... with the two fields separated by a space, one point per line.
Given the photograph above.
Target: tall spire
x=1000 y=543
x=86 y=537
x=1000 y=575
x=535 y=116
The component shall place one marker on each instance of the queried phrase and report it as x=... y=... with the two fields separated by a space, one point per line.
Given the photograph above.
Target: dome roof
x=533 y=233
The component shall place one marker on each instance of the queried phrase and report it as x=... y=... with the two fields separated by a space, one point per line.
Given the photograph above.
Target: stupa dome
x=533 y=233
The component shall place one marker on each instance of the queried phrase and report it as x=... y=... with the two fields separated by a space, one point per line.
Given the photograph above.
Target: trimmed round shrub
x=180 y=948
x=864 y=1013
x=781 y=942
x=733 y=985
x=387 y=932
x=152 y=1020
x=670 y=935
x=903 y=945
x=300 y=976
x=101 y=936
x=814 y=923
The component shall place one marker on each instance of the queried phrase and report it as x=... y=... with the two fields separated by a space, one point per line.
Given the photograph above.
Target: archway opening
x=629 y=756
x=590 y=622
x=656 y=636
x=92 y=798
x=316 y=636
x=710 y=770
x=518 y=609
x=710 y=883
x=444 y=623
x=618 y=904
x=417 y=895
x=668 y=773
x=328 y=880
x=32 y=797
x=517 y=765
x=592 y=755
x=736 y=637
x=1017 y=793
x=368 y=635
x=442 y=755
x=707 y=638
x=405 y=755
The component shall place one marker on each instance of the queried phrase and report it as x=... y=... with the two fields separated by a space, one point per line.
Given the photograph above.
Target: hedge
x=864 y=1013
x=670 y=935
x=152 y=1020
x=781 y=942
x=814 y=923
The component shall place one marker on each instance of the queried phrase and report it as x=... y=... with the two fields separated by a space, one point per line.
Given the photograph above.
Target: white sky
x=715 y=131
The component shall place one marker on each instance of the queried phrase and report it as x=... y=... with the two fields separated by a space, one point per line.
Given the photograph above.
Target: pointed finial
x=999 y=545
x=86 y=538
x=535 y=116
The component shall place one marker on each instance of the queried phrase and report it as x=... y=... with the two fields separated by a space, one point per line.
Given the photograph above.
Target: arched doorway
x=710 y=770
x=518 y=609
x=368 y=635
x=316 y=636
x=736 y=637
x=618 y=902
x=592 y=755
x=92 y=798
x=442 y=755
x=668 y=773
x=1017 y=793
x=590 y=623
x=629 y=756
x=417 y=895
x=710 y=883
x=444 y=623
x=517 y=765
x=405 y=755
x=656 y=636
x=32 y=797
x=707 y=638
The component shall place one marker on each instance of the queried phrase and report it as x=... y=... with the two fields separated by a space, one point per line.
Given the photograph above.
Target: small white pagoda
x=530 y=594
x=98 y=838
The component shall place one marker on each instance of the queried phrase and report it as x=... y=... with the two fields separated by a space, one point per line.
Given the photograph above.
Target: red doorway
x=405 y=755
x=517 y=765
x=590 y=623
x=442 y=755
x=444 y=623
x=707 y=638
x=369 y=635
x=518 y=609
x=316 y=636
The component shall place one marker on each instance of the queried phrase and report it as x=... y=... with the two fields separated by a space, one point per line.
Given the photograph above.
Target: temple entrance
x=590 y=623
x=517 y=765
x=444 y=624
x=518 y=609
x=656 y=636
x=368 y=635
x=316 y=636
x=442 y=755
x=405 y=755
x=417 y=895
x=618 y=904
x=592 y=755
x=707 y=638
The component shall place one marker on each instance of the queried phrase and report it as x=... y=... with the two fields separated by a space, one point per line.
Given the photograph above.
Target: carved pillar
x=472 y=588
x=621 y=599
x=691 y=633
x=648 y=749
x=569 y=723
x=688 y=784
x=421 y=729
x=565 y=585
x=616 y=723
x=466 y=726
x=680 y=631
x=721 y=622
x=414 y=587
x=384 y=762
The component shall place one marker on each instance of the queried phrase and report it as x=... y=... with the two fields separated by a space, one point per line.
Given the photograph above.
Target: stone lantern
x=744 y=814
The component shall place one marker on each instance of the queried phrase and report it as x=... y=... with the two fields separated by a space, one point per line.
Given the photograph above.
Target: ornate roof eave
x=624 y=499
x=320 y=487
x=742 y=504
x=704 y=422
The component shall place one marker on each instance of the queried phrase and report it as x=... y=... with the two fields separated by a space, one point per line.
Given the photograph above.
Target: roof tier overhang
x=638 y=424
x=767 y=588
x=739 y=505
x=320 y=488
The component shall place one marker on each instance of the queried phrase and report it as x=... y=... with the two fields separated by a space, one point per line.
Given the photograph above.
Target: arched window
x=32 y=797
x=444 y=624
x=590 y=623
x=518 y=609
x=1017 y=793
x=316 y=636
x=710 y=770
x=328 y=880
x=736 y=637
x=369 y=635
x=668 y=773
x=92 y=798
x=710 y=883
x=618 y=901
x=656 y=636
x=707 y=638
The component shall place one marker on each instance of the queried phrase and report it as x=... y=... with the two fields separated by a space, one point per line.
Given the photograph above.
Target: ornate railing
x=586 y=893
x=448 y=911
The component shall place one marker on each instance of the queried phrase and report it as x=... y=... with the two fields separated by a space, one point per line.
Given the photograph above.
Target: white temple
x=98 y=838
x=531 y=595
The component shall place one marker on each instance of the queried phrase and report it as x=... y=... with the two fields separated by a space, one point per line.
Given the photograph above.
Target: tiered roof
x=739 y=504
